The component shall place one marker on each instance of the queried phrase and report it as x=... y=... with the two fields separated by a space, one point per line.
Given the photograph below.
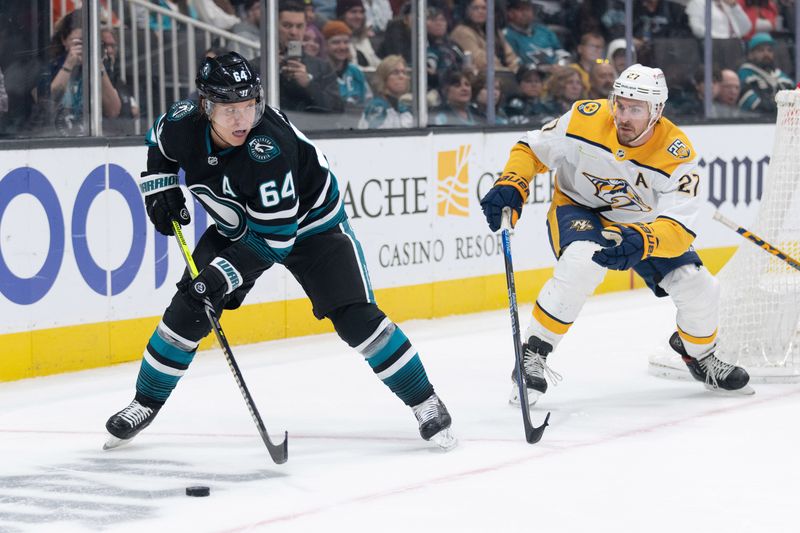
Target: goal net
x=760 y=294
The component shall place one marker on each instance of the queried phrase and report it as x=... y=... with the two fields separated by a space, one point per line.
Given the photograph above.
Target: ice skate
x=126 y=424
x=534 y=364
x=434 y=422
x=715 y=374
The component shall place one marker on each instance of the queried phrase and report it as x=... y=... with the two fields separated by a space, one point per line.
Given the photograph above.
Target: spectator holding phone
x=64 y=86
x=306 y=83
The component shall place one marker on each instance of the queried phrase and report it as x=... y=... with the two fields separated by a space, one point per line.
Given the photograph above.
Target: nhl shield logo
x=212 y=160
x=262 y=148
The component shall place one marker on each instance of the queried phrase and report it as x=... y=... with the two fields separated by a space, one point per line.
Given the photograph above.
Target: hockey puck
x=198 y=491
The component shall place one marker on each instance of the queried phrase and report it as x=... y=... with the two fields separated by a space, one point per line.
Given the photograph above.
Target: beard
x=766 y=64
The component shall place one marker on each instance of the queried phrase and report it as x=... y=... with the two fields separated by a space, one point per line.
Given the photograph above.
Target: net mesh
x=760 y=299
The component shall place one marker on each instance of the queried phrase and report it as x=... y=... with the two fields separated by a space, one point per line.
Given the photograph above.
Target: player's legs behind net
x=695 y=293
x=693 y=289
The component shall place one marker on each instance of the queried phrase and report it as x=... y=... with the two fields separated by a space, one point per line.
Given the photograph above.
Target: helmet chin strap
x=218 y=135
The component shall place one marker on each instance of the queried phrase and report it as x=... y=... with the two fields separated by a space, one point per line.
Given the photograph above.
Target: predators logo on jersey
x=588 y=108
x=618 y=193
x=581 y=225
x=679 y=149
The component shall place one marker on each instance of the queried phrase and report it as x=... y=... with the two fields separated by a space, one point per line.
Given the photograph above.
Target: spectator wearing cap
x=249 y=28
x=470 y=36
x=442 y=54
x=761 y=79
x=457 y=95
x=534 y=43
x=527 y=105
x=353 y=87
x=616 y=54
x=389 y=108
x=306 y=83
x=352 y=13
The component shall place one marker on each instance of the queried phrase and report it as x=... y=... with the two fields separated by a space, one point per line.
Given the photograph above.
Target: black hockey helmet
x=228 y=78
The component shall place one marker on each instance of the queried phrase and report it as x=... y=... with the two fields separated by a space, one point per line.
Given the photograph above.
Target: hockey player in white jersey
x=625 y=197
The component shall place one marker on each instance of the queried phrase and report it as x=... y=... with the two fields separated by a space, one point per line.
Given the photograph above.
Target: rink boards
x=84 y=277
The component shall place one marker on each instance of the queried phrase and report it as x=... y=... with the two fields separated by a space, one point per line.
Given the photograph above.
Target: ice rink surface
x=625 y=452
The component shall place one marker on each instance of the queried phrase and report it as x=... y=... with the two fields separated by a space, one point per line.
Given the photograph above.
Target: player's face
x=631 y=118
x=232 y=122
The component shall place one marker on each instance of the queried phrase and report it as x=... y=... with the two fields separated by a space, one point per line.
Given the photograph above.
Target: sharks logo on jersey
x=262 y=148
x=617 y=193
x=181 y=109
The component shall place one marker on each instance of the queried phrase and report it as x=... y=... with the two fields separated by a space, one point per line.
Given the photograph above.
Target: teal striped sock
x=396 y=362
x=163 y=364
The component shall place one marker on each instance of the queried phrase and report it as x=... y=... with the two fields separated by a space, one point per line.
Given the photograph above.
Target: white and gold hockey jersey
x=656 y=183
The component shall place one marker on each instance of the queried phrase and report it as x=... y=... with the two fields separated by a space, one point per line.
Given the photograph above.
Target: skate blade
x=513 y=398
x=445 y=440
x=747 y=390
x=114 y=442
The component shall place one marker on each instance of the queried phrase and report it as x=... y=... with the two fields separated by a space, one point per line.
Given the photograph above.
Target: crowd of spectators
x=347 y=63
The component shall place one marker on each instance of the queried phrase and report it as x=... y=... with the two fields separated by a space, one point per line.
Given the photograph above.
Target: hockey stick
x=532 y=434
x=757 y=240
x=278 y=452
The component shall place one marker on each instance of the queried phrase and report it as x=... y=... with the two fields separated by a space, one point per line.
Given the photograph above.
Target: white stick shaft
x=728 y=222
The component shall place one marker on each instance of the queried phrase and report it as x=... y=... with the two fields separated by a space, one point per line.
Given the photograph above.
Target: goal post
x=760 y=293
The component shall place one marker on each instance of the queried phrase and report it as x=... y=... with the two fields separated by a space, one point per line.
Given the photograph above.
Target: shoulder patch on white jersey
x=588 y=108
x=679 y=149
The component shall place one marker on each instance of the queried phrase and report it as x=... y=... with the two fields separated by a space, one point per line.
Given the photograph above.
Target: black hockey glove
x=627 y=253
x=164 y=201
x=508 y=191
x=213 y=283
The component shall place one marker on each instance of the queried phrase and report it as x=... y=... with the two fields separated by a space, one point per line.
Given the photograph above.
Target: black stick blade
x=533 y=434
x=278 y=452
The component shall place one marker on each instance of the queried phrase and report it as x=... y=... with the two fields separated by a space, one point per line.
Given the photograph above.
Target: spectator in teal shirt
x=353 y=86
x=761 y=79
x=534 y=43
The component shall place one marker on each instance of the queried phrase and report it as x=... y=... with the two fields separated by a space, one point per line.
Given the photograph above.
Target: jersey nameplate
x=262 y=148
x=181 y=109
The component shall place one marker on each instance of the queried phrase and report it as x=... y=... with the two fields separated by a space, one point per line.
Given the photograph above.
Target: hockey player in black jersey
x=273 y=199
